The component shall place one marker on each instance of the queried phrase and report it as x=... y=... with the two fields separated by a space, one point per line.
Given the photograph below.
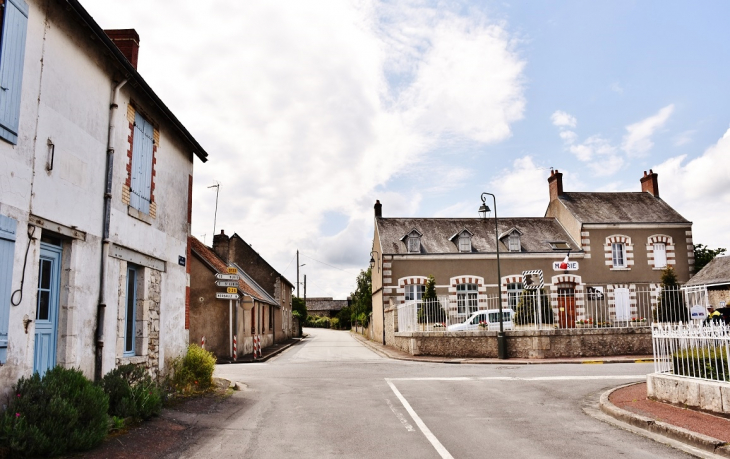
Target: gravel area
x=633 y=398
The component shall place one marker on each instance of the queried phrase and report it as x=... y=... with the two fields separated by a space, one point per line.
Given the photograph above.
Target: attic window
x=414 y=244
x=464 y=242
x=514 y=242
x=559 y=245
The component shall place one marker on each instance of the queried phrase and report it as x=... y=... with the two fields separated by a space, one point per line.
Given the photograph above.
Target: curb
x=265 y=357
x=378 y=349
x=704 y=442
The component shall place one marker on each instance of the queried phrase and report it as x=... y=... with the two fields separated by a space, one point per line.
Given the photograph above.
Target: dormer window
x=413 y=241
x=512 y=239
x=462 y=239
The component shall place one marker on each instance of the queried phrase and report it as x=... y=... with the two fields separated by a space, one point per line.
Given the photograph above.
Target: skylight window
x=559 y=245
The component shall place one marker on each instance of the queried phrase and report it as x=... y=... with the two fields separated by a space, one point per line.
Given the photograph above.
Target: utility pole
x=305 y=290
x=217 y=187
x=297 y=273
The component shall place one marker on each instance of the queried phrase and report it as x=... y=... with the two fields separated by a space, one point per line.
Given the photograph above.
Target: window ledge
x=659 y=269
x=620 y=269
x=141 y=216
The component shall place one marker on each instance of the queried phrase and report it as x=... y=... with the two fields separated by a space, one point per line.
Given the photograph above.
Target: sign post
x=230 y=282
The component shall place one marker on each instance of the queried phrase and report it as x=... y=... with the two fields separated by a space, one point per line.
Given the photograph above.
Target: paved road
x=333 y=397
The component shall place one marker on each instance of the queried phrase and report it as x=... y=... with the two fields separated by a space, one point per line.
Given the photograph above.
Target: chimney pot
x=555 y=183
x=378 y=209
x=127 y=40
x=650 y=183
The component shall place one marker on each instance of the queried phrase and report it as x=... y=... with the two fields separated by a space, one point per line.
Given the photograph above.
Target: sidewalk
x=705 y=431
x=266 y=353
x=391 y=353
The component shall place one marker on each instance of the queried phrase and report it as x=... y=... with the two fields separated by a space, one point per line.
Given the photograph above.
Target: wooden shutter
x=12 y=54
x=141 y=164
x=7 y=254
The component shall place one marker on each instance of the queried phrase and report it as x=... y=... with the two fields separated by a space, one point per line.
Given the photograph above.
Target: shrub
x=192 y=372
x=702 y=363
x=671 y=306
x=335 y=323
x=132 y=393
x=526 y=311
x=56 y=414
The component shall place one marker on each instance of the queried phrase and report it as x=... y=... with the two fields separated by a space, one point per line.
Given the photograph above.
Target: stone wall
x=528 y=344
x=390 y=326
x=711 y=396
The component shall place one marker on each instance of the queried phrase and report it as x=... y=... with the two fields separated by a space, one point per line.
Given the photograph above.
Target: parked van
x=489 y=320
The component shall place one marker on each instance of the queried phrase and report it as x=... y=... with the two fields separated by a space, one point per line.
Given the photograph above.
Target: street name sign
x=226 y=296
x=563 y=266
x=226 y=276
x=226 y=283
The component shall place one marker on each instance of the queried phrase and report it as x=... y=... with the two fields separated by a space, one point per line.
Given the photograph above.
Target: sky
x=310 y=111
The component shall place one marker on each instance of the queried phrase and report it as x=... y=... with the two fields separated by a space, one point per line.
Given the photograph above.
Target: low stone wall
x=527 y=344
x=713 y=396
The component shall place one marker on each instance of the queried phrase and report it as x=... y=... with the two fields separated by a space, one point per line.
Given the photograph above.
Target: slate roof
x=219 y=266
x=325 y=304
x=536 y=233
x=263 y=294
x=624 y=207
x=716 y=271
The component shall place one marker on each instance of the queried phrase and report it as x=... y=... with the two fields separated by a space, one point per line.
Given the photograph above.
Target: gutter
x=134 y=76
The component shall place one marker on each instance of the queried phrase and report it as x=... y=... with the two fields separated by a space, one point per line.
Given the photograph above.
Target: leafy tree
x=299 y=309
x=671 y=306
x=704 y=255
x=362 y=298
x=526 y=309
x=345 y=317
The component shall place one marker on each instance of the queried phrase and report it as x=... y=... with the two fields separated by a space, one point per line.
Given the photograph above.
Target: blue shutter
x=141 y=164
x=12 y=54
x=7 y=253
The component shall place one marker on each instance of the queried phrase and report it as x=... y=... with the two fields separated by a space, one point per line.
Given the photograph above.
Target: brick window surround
x=628 y=251
x=126 y=188
x=669 y=249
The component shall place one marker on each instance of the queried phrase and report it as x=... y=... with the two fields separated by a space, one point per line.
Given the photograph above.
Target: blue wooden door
x=46 y=318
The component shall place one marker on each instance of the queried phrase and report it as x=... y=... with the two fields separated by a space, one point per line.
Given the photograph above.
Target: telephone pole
x=305 y=290
x=297 y=273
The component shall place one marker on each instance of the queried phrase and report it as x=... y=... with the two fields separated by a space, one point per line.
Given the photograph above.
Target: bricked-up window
x=618 y=254
x=140 y=193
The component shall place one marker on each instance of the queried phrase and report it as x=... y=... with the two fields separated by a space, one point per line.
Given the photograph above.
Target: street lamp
x=372 y=260
x=483 y=210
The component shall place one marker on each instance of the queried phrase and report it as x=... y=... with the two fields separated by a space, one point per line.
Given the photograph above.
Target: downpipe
x=101 y=308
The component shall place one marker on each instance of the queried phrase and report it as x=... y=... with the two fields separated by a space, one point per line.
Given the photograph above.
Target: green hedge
x=702 y=363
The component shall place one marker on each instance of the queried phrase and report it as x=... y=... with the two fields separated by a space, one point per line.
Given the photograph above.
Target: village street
x=330 y=396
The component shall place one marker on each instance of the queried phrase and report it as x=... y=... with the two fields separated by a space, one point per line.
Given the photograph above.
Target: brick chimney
x=650 y=183
x=378 y=209
x=221 y=244
x=127 y=41
x=555 y=182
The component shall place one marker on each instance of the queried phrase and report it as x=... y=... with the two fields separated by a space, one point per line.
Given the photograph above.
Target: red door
x=566 y=305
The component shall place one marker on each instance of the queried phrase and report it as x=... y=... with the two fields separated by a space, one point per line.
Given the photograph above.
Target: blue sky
x=312 y=110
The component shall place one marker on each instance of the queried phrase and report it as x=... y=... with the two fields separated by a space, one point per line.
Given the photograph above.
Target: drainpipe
x=101 y=308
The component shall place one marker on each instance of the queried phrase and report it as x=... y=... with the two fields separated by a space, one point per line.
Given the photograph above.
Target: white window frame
x=660 y=261
x=464 y=243
x=414 y=244
x=514 y=242
x=413 y=292
x=618 y=254
x=467 y=298
x=514 y=290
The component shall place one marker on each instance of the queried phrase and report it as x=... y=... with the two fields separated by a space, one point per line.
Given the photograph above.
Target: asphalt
x=677 y=426
x=266 y=353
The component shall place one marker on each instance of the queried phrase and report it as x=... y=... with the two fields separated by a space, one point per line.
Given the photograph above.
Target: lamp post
x=483 y=209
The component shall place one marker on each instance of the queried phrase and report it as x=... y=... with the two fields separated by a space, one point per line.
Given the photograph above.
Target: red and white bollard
x=235 y=348
x=256 y=346
x=202 y=342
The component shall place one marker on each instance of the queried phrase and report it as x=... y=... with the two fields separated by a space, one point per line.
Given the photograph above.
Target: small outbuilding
x=711 y=285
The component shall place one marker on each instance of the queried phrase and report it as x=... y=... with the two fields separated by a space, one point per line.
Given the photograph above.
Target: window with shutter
x=142 y=150
x=7 y=251
x=12 y=53
x=660 y=255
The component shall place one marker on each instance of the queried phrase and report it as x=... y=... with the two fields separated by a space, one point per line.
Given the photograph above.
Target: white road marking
x=515 y=378
x=400 y=417
x=426 y=431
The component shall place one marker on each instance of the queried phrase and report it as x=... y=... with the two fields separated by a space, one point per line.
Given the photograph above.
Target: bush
x=318 y=322
x=132 y=393
x=344 y=317
x=702 y=363
x=192 y=372
x=335 y=323
x=671 y=306
x=56 y=414
x=526 y=311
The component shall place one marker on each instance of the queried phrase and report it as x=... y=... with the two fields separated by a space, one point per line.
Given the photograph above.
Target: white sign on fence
x=699 y=312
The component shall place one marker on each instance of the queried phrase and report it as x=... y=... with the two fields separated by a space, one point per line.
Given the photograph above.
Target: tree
x=430 y=310
x=362 y=298
x=299 y=309
x=526 y=309
x=704 y=255
x=671 y=306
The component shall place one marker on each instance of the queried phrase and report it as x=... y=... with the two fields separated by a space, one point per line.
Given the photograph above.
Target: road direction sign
x=226 y=296
x=226 y=283
x=232 y=270
x=232 y=290
x=226 y=276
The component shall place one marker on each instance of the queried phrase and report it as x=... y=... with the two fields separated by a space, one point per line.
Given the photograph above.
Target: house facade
x=95 y=200
x=216 y=322
x=617 y=245
x=325 y=306
x=234 y=250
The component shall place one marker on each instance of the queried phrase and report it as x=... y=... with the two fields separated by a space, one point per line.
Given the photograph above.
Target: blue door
x=46 y=317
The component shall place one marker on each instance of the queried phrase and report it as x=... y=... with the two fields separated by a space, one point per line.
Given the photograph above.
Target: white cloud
x=683 y=138
x=616 y=87
x=602 y=158
x=637 y=141
x=568 y=136
x=522 y=190
x=699 y=189
x=562 y=119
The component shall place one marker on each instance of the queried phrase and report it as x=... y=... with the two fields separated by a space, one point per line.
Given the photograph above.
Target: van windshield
x=494 y=316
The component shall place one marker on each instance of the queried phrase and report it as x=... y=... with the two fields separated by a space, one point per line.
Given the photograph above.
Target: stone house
x=218 y=320
x=621 y=242
x=234 y=250
x=95 y=199
x=710 y=287
x=325 y=306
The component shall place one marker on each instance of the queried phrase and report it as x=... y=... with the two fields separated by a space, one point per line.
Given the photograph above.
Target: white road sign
x=226 y=296
x=226 y=276
x=226 y=283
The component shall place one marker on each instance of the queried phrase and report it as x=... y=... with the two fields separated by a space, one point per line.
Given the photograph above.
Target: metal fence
x=692 y=350
x=559 y=308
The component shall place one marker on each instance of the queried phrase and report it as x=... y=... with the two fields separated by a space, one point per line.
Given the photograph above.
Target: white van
x=490 y=317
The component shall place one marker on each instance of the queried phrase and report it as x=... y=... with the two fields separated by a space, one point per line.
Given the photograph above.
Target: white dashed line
x=400 y=417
